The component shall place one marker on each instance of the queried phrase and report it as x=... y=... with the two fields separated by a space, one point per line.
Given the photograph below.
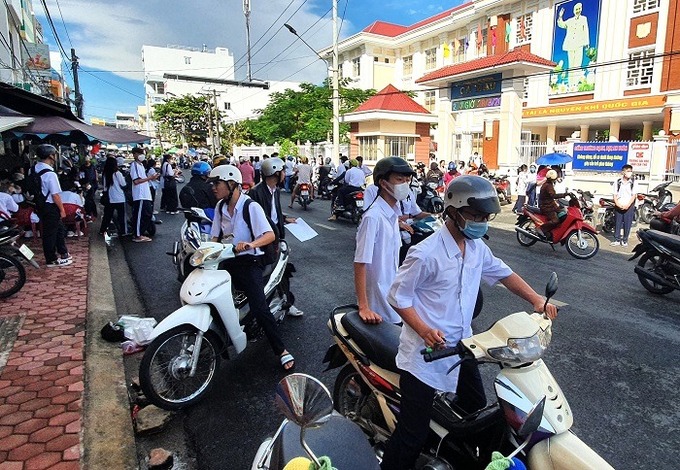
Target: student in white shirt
x=376 y=256
x=169 y=196
x=303 y=170
x=229 y=226
x=625 y=189
x=435 y=292
x=7 y=204
x=142 y=210
x=354 y=180
x=114 y=182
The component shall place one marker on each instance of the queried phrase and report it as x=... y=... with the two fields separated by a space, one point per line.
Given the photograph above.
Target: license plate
x=305 y=193
x=601 y=210
x=360 y=203
x=26 y=251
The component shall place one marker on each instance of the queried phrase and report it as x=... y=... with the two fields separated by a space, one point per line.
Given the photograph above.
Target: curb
x=108 y=439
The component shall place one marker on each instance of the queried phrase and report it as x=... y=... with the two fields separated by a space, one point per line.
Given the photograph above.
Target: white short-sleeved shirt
x=341 y=169
x=7 y=203
x=116 y=194
x=236 y=226
x=140 y=191
x=289 y=167
x=50 y=181
x=624 y=190
x=69 y=197
x=378 y=243
x=409 y=204
x=304 y=173
x=355 y=177
x=442 y=287
x=155 y=184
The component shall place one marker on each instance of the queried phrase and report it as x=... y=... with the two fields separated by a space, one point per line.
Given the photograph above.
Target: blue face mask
x=472 y=229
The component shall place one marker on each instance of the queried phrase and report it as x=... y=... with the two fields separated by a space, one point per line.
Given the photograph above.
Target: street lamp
x=335 y=78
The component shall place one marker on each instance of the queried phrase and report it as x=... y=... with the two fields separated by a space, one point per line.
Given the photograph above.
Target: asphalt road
x=614 y=349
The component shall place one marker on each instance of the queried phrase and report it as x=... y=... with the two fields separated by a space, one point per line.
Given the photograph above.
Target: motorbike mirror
x=304 y=400
x=551 y=286
x=533 y=419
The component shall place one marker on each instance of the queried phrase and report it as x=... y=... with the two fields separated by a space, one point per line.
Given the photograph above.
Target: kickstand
x=552 y=245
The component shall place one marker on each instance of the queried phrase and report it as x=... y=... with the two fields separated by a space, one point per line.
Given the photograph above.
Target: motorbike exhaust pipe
x=528 y=234
x=655 y=278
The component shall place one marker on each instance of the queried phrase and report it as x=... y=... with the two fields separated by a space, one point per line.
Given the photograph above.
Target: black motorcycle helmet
x=44 y=151
x=388 y=165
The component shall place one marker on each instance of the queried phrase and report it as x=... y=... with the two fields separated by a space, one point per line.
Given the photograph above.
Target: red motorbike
x=579 y=237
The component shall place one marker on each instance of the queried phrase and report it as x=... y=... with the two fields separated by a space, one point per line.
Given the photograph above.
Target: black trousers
x=246 y=274
x=121 y=225
x=343 y=193
x=53 y=233
x=413 y=423
x=142 y=211
x=169 y=198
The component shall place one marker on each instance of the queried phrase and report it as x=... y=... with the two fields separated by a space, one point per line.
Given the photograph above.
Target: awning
x=10 y=122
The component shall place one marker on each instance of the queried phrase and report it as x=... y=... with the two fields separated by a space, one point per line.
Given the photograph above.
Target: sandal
x=290 y=207
x=287 y=359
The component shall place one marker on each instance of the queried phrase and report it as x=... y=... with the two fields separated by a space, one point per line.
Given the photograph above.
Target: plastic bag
x=138 y=329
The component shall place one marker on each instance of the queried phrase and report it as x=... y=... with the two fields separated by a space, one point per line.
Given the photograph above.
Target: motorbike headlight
x=202 y=255
x=523 y=350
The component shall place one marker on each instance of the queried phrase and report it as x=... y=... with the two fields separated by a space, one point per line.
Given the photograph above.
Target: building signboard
x=36 y=56
x=574 y=48
x=476 y=103
x=626 y=104
x=600 y=156
x=640 y=156
x=488 y=85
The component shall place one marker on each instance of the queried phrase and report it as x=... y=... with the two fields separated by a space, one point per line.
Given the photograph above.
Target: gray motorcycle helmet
x=271 y=166
x=472 y=191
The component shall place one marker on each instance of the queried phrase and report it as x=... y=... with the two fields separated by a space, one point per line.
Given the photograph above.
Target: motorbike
x=198 y=221
x=502 y=185
x=245 y=187
x=659 y=266
x=422 y=228
x=585 y=199
x=311 y=427
x=665 y=224
x=654 y=201
x=323 y=190
x=187 y=346
x=12 y=271
x=530 y=419
x=352 y=211
x=574 y=233
x=428 y=199
x=607 y=217
x=302 y=196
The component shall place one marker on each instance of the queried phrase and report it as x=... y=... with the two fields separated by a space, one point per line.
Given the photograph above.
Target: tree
x=184 y=120
x=236 y=133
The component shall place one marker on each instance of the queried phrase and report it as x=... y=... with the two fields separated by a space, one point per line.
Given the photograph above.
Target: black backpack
x=271 y=250
x=34 y=188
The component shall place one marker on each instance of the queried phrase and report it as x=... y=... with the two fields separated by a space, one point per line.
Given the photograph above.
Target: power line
x=64 y=23
x=113 y=85
x=54 y=30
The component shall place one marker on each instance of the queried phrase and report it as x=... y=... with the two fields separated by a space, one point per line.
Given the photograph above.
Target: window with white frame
x=524 y=29
x=645 y=6
x=408 y=65
x=640 y=68
x=368 y=147
x=430 y=100
x=356 y=67
x=400 y=147
x=458 y=50
x=431 y=58
x=457 y=144
x=477 y=142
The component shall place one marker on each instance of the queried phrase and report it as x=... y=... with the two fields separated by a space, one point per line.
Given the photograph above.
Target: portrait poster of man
x=576 y=25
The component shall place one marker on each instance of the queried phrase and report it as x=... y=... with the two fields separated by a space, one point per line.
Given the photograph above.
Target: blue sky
x=108 y=36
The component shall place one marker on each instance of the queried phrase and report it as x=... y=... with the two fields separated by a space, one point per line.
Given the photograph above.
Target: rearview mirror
x=551 y=287
x=304 y=400
x=534 y=418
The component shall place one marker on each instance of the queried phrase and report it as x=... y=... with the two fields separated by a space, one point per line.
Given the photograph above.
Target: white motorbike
x=196 y=221
x=367 y=391
x=187 y=346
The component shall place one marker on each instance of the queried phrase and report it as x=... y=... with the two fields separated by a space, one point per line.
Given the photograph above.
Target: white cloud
x=108 y=35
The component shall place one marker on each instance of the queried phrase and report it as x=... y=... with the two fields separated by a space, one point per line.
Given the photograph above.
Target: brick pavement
x=41 y=386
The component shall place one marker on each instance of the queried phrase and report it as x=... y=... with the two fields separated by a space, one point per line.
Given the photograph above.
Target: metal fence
x=529 y=152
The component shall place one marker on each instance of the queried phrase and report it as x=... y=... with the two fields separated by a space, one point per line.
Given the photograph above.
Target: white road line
x=326 y=227
x=555 y=302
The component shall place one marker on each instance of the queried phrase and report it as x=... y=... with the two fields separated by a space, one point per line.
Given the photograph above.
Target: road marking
x=555 y=302
x=326 y=227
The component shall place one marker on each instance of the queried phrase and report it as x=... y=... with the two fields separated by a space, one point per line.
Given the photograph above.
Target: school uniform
x=116 y=203
x=53 y=229
x=169 y=197
x=142 y=209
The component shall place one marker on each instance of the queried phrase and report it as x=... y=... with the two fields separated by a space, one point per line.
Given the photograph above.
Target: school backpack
x=34 y=188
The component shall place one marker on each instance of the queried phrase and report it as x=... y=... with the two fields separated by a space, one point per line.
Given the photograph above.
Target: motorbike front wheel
x=165 y=370
x=523 y=239
x=608 y=221
x=12 y=275
x=582 y=244
x=646 y=210
x=353 y=399
x=653 y=262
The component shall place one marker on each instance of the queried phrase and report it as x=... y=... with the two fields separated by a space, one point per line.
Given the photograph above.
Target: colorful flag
x=446 y=49
x=456 y=47
x=522 y=29
x=479 y=36
x=508 y=31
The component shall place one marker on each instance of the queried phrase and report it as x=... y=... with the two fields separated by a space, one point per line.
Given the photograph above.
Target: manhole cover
x=9 y=329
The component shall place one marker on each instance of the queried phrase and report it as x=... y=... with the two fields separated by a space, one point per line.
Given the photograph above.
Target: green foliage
x=236 y=133
x=184 y=119
x=288 y=148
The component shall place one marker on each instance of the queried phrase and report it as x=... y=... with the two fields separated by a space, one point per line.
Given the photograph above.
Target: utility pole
x=218 y=146
x=336 y=94
x=210 y=126
x=76 y=84
x=246 y=11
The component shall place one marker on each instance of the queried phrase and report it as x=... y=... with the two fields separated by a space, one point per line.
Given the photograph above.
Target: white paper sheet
x=301 y=230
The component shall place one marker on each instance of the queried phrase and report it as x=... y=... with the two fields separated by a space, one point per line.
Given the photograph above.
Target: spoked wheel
x=608 y=222
x=646 y=211
x=523 y=239
x=654 y=263
x=165 y=370
x=12 y=275
x=353 y=399
x=582 y=244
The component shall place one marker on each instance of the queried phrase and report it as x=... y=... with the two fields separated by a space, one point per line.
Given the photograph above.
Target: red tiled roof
x=391 y=99
x=391 y=30
x=516 y=55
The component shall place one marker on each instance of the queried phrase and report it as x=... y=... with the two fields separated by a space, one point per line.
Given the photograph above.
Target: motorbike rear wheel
x=608 y=221
x=653 y=262
x=582 y=244
x=523 y=239
x=164 y=370
x=353 y=399
x=12 y=275
x=646 y=210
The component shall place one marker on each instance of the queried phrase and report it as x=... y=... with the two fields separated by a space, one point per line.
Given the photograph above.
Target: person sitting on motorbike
x=303 y=171
x=246 y=267
x=378 y=241
x=452 y=172
x=198 y=192
x=354 y=180
x=435 y=175
x=659 y=221
x=437 y=309
x=548 y=204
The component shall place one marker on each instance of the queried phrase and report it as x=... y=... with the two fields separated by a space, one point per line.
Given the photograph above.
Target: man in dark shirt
x=198 y=192
x=548 y=203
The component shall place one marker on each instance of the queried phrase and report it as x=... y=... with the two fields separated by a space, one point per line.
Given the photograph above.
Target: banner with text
x=600 y=156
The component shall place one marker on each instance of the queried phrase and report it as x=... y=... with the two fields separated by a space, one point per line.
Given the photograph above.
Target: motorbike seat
x=534 y=209
x=379 y=342
x=672 y=242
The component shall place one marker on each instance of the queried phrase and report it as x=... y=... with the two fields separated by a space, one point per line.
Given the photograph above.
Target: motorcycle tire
x=353 y=399
x=356 y=216
x=163 y=378
x=608 y=222
x=655 y=261
x=523 y=239
x=304 y=204
x=12 y=275
x=646 y=210
x=584 y=248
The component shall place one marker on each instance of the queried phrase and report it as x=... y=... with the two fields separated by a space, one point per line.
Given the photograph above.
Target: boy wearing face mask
x=378 y=241
x=625 y=190
x=142 y=210
x=435 y=292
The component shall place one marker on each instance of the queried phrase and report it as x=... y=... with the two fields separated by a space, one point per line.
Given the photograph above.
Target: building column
x=585 y=128
x=614 y=129
x=647 y=130
x=510 y=125
x=550 y=138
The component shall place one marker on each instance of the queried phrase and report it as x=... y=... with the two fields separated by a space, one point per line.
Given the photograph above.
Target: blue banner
x=600 y=156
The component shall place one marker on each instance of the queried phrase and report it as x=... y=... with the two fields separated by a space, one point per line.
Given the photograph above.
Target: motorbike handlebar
x=430 y=355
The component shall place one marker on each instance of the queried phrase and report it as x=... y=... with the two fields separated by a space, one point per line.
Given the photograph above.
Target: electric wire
x=64 y=23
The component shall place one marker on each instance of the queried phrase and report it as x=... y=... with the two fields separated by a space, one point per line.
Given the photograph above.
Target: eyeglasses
x=477 y=217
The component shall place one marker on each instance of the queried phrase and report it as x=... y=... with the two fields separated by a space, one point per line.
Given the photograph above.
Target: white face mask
x=399 y=191
x=141 y=157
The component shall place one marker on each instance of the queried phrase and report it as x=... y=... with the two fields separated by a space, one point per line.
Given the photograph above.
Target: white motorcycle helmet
x=225 y=173
x=472 y=191
x=270 y=166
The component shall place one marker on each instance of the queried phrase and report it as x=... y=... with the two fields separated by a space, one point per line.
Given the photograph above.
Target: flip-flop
x=287 y=359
